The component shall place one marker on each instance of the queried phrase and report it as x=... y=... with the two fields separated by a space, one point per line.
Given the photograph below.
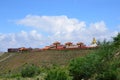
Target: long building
x=58 y=46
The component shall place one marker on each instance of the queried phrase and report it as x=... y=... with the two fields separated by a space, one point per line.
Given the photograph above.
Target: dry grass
x=4 y=55
x=43 y=58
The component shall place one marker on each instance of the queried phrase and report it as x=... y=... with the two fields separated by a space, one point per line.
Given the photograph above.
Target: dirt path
x=5 y=58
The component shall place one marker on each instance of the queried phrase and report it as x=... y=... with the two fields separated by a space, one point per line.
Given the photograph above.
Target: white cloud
x=64 y=29
x=52 y=24
x=48 y=29
x=22 y=39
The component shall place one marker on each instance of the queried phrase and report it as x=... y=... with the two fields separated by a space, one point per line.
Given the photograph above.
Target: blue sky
x=89 y=16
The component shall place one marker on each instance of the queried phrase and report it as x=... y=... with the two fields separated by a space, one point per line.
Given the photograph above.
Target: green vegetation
x=30 y=71
x=58 y=73
x=16 y=64
x=84 y=67
x=116 y=41
x=15 y=61
x=100 y=64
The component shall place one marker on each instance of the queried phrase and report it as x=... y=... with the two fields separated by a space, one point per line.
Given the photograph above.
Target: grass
x=4 y=55
x=43 y=58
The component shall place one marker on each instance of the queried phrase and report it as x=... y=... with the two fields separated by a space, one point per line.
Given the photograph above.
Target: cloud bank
x=48 y=29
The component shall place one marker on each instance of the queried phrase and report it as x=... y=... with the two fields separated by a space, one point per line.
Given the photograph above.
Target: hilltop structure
x=94 y=43
x=58 y=46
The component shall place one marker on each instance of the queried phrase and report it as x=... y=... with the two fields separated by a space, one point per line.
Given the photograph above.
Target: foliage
x=107 y=75
x=101 y=64
x=30 y=71
x=58 y=74
x=116 y=41
x=111 y=72
x=83 y=68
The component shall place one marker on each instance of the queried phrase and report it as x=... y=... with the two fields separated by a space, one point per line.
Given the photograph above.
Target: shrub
x=85 y=67
x=30 y=71
x=111 y=72
x=101 y=64
x=116 y=41
x=107 y=75
x=58 y=74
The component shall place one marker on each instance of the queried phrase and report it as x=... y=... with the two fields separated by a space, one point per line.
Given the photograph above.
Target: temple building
x=68 y=43
x=94 y=43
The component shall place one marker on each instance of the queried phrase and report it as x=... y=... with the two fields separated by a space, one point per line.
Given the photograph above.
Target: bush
x=111 y=72
x=58 y=74
x=101 y=64
x=84 y=68
x=116 y=41
x=107 y=75
x=30 y=71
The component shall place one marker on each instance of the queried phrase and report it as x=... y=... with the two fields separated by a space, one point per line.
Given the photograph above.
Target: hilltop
x=102 y=63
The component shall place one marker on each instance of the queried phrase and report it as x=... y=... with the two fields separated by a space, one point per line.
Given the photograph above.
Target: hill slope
x=13 y=61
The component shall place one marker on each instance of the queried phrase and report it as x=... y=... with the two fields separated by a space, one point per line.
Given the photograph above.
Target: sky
x=38 y=23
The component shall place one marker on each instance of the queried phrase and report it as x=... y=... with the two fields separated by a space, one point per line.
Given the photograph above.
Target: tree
x=85 y=67
x=116 y=40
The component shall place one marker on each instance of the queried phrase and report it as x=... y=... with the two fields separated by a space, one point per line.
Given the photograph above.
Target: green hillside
x=98 y=64
x=103 y=64
x=14 y=61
